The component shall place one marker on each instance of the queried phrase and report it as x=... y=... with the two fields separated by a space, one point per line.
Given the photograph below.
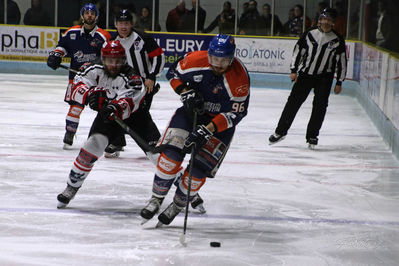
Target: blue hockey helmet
x=222 y=46
x=87 y=7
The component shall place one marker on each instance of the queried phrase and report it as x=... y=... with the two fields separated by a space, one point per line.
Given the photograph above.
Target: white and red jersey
x=126 y=89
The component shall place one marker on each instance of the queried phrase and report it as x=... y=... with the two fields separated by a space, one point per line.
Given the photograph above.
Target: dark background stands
x=13 y=13
x=37 y=15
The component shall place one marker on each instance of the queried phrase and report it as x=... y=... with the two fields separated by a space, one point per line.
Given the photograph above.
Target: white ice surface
x=268 y=205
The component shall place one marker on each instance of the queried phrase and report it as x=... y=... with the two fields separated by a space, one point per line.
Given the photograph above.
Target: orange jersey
x=226 y=97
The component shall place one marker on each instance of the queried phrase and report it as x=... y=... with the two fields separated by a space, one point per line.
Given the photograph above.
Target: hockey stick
x=68 y=68
x=142 y=143
x=190 y=169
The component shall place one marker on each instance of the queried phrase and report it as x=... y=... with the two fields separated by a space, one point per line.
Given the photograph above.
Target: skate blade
x=200 y=208
x=67 y=147
x=272 y=143
x=159 y=225
x=144 y=221
x=112 y=155
x=311 y=146
x=61 y=205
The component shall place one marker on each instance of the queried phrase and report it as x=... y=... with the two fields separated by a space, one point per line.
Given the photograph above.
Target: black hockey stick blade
x=134 y=135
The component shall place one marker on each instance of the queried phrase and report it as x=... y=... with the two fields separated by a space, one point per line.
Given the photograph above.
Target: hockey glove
x=192 y=101
x=198 y=138
x=97 y=98
x=108 y=110
x=54 y=60
x=135 y=82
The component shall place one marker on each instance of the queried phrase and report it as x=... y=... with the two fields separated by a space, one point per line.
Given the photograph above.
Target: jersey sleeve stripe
x=221 y=122
x=156 y=52
x=176 y=83
x=73 y=28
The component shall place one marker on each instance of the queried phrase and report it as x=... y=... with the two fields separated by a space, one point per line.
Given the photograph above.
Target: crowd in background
x=255 y=19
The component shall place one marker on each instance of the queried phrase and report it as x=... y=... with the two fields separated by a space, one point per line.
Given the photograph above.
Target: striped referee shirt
x=317 y=52
x=143 y=54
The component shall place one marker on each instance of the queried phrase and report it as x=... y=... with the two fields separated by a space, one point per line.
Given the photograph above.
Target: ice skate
x=312 y=142
x=66 y=196
x=112 y=151
x=274 y=138
x=68 y=140
x=198 y=204
x=151 y=209
x=167 y=216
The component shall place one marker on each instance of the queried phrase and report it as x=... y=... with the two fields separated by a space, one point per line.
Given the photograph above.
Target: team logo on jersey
x=216 y=89
x=78 y=54
x=197 y=78
x=73 y=36
x=137 y=45
x=241 y=91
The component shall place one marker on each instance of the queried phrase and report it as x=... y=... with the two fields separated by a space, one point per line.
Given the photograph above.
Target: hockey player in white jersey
x=111 y=88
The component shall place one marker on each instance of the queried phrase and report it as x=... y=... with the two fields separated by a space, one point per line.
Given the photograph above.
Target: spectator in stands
x=296 y=25
x=386 y=26
x=225 y=20
x=251 y=23
x=188 y=19
x=245 y=8
x=13 y=13
x=322 y=6
x=37 y=15
x=340 y=22
x=145 y=20
x=266 y=17
x=286 y=26
x=173 y=19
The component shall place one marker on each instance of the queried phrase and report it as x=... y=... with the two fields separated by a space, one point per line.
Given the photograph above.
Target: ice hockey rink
x=268 y=205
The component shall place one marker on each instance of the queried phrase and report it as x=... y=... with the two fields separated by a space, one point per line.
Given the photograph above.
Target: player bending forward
x=111 y=88
x=214 y=85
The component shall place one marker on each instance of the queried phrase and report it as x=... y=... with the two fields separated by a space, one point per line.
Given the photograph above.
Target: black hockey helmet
x=124 y=15
x=329 y=12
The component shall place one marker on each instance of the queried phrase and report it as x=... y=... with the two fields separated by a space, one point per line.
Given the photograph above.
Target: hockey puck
x=215 y=244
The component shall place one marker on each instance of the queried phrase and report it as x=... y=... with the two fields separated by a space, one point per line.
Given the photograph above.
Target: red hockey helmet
x=114 y=57
x=113 y=49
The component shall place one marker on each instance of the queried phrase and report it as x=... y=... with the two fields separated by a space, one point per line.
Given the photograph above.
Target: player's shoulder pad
x=194 y=60
x=71 y=29
x=237 y=81
x=104 y=33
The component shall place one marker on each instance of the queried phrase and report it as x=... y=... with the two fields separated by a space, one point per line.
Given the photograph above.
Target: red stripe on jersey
x=106 y=34
x=237 y=79
x=220 y=122
x=195 y=60
x=156 y=52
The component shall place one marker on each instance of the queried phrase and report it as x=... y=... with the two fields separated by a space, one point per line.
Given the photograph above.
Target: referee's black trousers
x=300 y=91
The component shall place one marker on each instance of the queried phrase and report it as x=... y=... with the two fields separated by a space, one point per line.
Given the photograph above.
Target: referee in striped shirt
x=318 y=54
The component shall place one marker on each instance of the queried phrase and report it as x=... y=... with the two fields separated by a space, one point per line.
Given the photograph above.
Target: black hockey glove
x=108 y=110
x=97 y=98
x=198 y=138
x=192 y=101
x=54 y=60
